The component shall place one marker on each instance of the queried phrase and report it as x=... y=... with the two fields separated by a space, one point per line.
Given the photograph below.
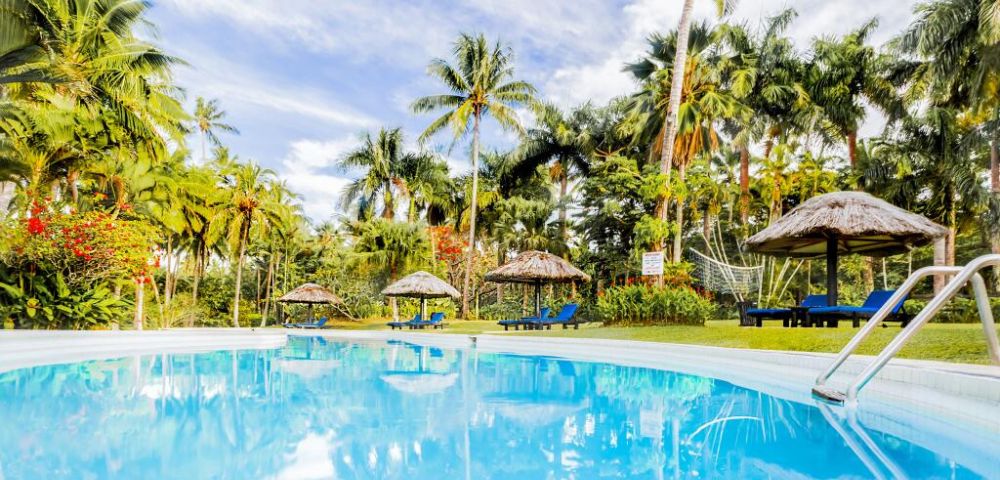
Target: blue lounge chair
x=317 y=324
x=436 y=321
x=786 y=315
x=518 y=322
x=564 y=318
x=400 y=325
x=873 y=303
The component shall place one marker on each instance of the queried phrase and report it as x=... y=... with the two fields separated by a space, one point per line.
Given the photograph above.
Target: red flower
x=36 y=226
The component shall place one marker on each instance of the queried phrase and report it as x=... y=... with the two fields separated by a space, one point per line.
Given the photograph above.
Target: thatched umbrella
x=311 y=294
x=421 y=285
x=536 y=268
x=841 y=223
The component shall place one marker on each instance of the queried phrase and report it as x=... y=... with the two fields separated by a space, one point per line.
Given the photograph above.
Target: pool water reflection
x=321 y=409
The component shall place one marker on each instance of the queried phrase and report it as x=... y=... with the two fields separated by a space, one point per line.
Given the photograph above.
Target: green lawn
x=949 y=342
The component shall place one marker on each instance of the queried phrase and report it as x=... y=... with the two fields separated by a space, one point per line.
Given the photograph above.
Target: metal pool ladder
x=968 y=274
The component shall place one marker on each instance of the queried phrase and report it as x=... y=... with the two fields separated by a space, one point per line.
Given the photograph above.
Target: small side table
x=800 y=317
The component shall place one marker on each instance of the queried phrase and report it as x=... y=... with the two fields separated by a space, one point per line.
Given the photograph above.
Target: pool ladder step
x=961 y=277
x=828 y=394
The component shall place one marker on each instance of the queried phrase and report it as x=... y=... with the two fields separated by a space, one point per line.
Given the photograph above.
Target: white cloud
x=308 y=167
x=234 y=84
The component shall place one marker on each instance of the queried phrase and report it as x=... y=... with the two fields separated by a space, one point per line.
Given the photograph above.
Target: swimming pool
x=320 y=408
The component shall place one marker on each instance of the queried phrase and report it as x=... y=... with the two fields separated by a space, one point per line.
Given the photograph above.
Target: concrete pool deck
x=948 y=401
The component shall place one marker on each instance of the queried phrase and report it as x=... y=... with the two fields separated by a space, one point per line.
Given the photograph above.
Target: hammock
x=721 y=277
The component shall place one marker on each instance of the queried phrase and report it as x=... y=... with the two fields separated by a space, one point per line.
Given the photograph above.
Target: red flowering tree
x=85 y=247
x=83 y=251
x=448 y=248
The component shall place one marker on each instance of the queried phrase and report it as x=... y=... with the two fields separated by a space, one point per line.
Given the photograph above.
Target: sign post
x=652 y=263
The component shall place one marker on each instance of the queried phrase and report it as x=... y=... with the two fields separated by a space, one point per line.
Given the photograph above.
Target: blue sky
x=303 y=79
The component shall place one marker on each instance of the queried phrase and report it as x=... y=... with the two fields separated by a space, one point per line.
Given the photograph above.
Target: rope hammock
x=721 y=277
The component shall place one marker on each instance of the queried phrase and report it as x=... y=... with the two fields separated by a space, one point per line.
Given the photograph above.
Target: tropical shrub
x=59 y=270
x=46 y=301
x=645 y=305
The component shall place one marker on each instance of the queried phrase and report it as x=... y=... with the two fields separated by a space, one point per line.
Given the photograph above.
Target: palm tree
x=480 y=84
x=386 y=165
x=208 y=119
x=932 y=164
x=424 y=181
x=705 y=101
x=674 y=97
x=250 y=204
x=849 y=72
x=22 y=58
x=763 y=70
x=562 y=141
x=394 y=248
x=203 y=205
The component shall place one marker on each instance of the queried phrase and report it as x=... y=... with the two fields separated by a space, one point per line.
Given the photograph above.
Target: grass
x=963 y=343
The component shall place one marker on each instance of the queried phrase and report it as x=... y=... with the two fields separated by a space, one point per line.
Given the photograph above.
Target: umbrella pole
x=423 y=309
x=831 y=271
x=310 y=312
x=538 y=299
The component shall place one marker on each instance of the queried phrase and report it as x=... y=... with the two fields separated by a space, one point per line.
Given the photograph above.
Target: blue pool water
x=321 y=409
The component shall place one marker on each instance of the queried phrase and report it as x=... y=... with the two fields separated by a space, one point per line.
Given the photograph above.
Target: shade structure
x=537 y=268
x=843 y=223
x=421 y=285
x=311 y=294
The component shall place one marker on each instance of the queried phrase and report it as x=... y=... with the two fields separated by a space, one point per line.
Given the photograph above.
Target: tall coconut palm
x=676 y=84
x=950 y=56
x=705 y=101
x=564 y=143
x=250 y=204
x=480 y=84
x=763 y=70
x=932 y=163
x=385 y=162
x=208 y=120
x=849 y=75
x=425 y=183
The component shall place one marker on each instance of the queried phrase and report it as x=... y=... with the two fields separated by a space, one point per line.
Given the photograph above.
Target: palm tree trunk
x=563 y=187
x=168 y=274
x=389 y=210
x=744 y=184
x=679 y=217
x=140 y=299
x=204 y=152
x=706 y=228
x=852 y=148
x=470 y=254
x=268 y=282
x=676 y=83
x=239 y=283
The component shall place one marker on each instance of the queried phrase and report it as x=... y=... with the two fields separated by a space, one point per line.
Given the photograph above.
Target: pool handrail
x=960 y=277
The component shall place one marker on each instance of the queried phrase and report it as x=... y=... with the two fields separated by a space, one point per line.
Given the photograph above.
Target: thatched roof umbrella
x=421 y=285
x=536 y=268
x=311 y=294
x=843 y=223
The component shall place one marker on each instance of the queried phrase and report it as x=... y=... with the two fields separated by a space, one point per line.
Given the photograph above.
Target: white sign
x=652 y=263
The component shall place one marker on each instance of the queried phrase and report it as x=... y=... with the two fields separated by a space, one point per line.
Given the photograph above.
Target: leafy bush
x=46 y=301
x=958 y=310
x=643 y=305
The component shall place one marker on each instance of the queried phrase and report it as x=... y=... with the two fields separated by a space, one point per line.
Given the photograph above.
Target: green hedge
x=642 y=305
